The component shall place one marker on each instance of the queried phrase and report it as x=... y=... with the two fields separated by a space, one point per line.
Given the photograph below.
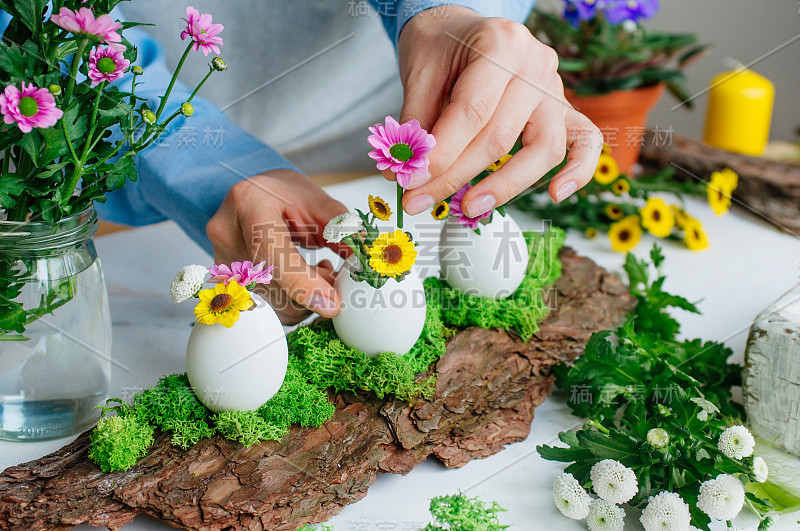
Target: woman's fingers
x=473 y=101
x=544 y=146
x=494 y=141
x=585 y=142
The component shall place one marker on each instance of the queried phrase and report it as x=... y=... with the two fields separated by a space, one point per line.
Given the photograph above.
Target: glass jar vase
x=55 y=328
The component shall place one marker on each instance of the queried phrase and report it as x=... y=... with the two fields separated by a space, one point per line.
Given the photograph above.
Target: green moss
x=523 y=310
x=171 y=405
x=248 y=427
x=118 y=442
x=298 y=401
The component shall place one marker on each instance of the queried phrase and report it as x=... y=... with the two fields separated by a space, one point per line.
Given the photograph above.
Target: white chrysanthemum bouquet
x=661 y=434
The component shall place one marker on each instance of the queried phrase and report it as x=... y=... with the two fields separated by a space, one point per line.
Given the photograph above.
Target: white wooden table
x=748 y=265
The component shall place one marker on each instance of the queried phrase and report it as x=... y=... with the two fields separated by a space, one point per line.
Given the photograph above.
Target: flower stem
x=399 y=206
x=199 y=85
x=73 y=70
x=172 y=81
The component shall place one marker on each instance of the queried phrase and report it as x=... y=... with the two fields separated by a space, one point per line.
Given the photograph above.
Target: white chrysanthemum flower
x=570 y=498
x=721 y=498
x=760 y=469
x=736 y=442
x=666 y=511
x=342 y=226
x=613 y=481
x=187 y=282
x=605 y=516
x=658 y=437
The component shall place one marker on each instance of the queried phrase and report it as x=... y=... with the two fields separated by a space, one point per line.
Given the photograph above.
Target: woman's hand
x=476 y=83
x=265 y=218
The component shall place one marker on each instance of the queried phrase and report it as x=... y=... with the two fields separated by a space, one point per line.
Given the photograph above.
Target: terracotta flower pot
x=621 y=116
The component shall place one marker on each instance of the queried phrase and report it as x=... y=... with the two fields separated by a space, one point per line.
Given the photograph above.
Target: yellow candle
x=739 y=112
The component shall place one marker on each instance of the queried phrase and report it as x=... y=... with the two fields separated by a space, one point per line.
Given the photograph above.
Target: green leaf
x=11 y=186
x=29 y=13
x=11 y=61
x=607 y=446
x=564 y=455
x=31 y=142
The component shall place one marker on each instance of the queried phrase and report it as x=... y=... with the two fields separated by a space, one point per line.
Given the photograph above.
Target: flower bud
x=187 y=109
x=218 y=64
x=149 y=117
x=55 y=89
x=137 y=70
x=658 y=438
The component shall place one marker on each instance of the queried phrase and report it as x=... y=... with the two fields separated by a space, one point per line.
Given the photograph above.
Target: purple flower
x=106 y=64
x=577 y=11
x=30 y=107
x=245 y=273
x=402 y=149
x=202 y=31
x=456 y=210
x=618 y=11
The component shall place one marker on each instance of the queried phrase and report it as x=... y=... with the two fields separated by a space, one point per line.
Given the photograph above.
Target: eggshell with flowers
x=490 y=264
x=238 y=368
x=375 y=320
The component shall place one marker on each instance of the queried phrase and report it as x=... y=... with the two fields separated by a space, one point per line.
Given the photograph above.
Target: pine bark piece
x=768 y=189
x=489 y=384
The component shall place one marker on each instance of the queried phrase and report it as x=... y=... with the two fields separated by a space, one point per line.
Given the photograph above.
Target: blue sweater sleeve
x=186 y=174
x=395 y=13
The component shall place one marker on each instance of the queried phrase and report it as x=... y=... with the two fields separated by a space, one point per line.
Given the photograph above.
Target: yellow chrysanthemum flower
x=379 y=208
x=625 y=234
x=222 y=304
x=681 y=216
x=440 y=210
x=614 y=211
x=607 y=169
x=719 y=191
x=694 y=236
x=392 y=254
x=591 y=233
x=657 y=217
x=499 y=164
x=621 y=186
x=606 y=149
x=727 y=179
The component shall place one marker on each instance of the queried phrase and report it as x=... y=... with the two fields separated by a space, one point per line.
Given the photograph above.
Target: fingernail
x=565 y=190
x=418 y=180
x=419 y=204
x=480 y=205
x=322 y=305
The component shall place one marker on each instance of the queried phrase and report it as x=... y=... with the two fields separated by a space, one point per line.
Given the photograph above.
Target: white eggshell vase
x=241 y=367
x=490 y=264
x=389 y=319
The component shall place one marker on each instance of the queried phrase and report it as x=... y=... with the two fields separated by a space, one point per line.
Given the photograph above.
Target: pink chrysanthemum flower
x=106 y=64
x=202 y=31
x=82 y=22
x=457 y=211
x=30 y=107
x=402 y=149
x=245 y=273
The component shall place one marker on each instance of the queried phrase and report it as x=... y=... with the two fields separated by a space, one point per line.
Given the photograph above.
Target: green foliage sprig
x=457 y=512
x=641 y=378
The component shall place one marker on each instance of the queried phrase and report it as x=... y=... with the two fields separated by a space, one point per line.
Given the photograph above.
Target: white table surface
x=748 y=266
